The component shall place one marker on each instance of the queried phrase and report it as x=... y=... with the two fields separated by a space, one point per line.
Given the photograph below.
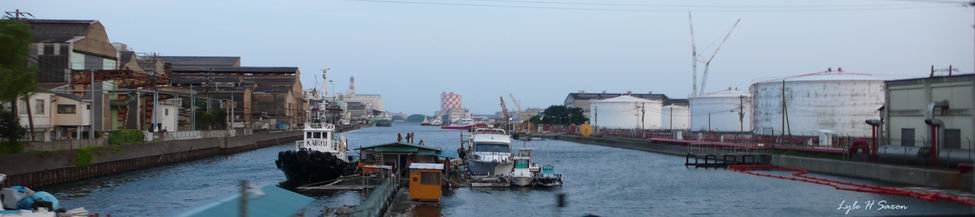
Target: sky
x=410 y=51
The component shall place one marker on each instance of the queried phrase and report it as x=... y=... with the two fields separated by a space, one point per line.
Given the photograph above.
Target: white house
x=56 y=116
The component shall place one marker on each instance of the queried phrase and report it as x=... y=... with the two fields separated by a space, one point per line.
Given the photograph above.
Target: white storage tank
x=729 y=111
x=835 y=101
x=626 y=112
x=676 y=117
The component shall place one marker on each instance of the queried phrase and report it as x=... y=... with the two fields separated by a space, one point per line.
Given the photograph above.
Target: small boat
x=384 y=123
x=489 y=153
x=522 y=174
x=426 y=122
x=548 y=178
x=18 y=200
x=461 y=124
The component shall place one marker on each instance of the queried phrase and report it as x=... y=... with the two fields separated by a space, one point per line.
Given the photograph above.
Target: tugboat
x=319 y=157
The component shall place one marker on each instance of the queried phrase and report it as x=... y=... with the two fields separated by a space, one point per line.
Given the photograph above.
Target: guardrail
x=149 y=137
x=375 y=204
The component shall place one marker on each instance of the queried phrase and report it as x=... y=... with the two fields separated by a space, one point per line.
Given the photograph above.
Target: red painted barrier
x=803 y=176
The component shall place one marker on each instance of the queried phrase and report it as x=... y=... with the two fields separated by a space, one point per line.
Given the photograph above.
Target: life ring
x=415 y=179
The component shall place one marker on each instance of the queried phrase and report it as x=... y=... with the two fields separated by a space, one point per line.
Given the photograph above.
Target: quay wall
x=37 y=169
x=903 y=175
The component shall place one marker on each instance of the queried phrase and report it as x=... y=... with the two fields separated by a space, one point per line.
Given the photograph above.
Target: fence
x=375 y=204
x=149 y=137
x=65 y=144
x=195 y=134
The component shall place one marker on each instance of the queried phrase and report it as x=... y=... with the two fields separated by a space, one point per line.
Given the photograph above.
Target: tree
x=561 y=115
x=416 y=118
x=17 y=78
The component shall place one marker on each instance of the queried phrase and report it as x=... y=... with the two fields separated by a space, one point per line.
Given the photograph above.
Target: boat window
x=522 y=163
x=430 y=178
x=318 y=135
x=307 y=135
x=490 y=147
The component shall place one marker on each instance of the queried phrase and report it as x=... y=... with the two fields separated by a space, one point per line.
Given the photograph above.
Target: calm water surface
x=599 y=180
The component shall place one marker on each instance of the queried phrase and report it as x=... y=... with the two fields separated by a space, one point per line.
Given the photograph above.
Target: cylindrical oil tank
x=675 y=117
x=829 y=101
x=625 y=112
x=722 y=111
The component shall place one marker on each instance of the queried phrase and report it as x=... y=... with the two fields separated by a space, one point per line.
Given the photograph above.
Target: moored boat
x=522 y=174
x=320 y=156
x=548 y=177
x=489 y=153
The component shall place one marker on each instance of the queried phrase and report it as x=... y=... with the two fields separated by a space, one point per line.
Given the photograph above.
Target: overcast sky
x=539 y=50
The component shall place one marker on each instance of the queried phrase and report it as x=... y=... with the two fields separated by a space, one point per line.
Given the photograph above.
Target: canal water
x=599 y=180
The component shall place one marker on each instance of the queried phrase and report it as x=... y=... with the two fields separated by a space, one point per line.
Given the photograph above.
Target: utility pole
x=643 y=112
x=91 y=119
x=741 y=113
x=192 y=108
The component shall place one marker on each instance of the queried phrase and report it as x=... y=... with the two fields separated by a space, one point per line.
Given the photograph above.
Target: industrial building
x=583 y=100
x=264 y=97
x=828 y=102
x=626 y=112
x=675 y=116
x=914 y=106
x=722 y=111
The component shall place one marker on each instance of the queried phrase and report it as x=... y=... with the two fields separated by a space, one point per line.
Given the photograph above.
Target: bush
x=11 y=147
x=84 y=156
x=121 y=137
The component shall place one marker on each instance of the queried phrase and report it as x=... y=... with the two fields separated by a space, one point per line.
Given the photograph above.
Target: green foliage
x=126 y=136
x=417 y=118
x=16 y=75
x=10 y=129
x=561 y=115
x=215 y=119
x=84 y=156
x=11 y=147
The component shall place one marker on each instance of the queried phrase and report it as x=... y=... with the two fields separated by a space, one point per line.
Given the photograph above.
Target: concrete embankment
x=36 y=169
x=904 y=175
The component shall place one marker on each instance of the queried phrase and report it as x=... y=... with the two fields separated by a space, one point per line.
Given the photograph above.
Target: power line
x=752 y=6
x=653 y=10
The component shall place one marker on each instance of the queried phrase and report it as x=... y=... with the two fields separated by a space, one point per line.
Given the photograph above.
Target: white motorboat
x=489 y=153
x=522 y=174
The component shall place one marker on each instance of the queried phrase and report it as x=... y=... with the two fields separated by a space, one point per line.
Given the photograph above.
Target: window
x=491 y=147
x=166 y=112
x=318 y=135
x=39 y=106
x=66 y=109
x=952 y=139
x=907 y=136
x=308 y=135
x=430 y=178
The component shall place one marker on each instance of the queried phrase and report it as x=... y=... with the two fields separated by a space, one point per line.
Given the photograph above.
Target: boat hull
x=304 y=167
x=483 y=168
x=521 y=181
x=457 y=127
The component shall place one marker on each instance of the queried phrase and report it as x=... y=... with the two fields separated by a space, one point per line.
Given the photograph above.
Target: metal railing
x=375 y=204
x=149 y=137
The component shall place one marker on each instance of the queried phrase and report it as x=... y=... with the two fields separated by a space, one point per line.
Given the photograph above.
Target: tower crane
x=504 y=110
x=521 y=112
x=707 y=65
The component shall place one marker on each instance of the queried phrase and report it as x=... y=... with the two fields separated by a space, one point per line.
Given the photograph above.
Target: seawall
x=903 y=175
x=36 y=169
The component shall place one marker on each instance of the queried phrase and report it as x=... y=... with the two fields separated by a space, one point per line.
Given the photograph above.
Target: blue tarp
x=274 y=202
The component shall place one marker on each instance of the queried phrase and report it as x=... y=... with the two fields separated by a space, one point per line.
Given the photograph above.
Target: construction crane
x=707 y=65
x=521 y=112
x=504 y=110
x=695 y=58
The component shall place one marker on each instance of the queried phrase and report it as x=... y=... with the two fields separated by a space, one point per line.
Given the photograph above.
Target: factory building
x=722 y=111
x=828 y=102
x=913 y=105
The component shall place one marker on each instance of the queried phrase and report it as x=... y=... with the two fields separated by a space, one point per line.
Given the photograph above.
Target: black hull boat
x=306 y=167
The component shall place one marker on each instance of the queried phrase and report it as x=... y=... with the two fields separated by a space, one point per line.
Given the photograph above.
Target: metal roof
x=826 y=76
x=269 y=201
x=584 y=96
x=426 y=166
x=43 y=30
x=234 y=69
x=398 y=147
x=625 y=98
x=209 y=61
